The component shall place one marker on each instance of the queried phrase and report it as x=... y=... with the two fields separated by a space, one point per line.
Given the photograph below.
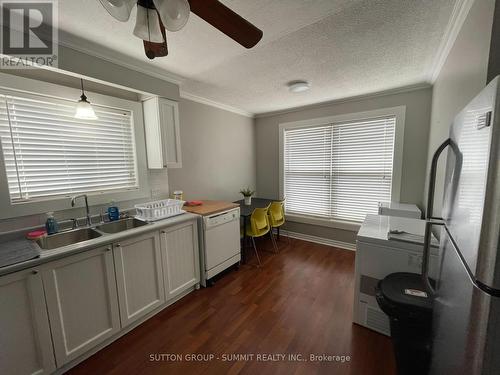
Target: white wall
x=218 y=153
x=418 y=107
x=461 y=78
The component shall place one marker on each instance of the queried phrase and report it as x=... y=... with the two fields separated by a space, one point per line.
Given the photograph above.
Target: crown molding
x=91 y=49
x=212 y=103
x=457 y=19
x=398 y=90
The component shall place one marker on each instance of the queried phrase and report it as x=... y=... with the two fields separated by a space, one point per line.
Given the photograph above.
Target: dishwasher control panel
x=222 y=218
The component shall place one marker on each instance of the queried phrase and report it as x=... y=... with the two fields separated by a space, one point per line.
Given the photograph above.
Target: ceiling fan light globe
x=174 y=13
x=147 y=25
x=119 y=9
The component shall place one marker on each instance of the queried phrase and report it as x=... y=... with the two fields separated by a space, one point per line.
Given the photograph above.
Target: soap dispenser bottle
x=51 y=225
x=113 y=211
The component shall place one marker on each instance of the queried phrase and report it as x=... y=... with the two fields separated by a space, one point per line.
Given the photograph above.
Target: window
x=339 y=170
x=48 y=153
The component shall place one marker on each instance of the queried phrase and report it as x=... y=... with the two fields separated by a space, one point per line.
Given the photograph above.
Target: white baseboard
x=320 y=240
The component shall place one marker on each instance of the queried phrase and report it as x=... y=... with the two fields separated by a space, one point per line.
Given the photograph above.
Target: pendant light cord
x=83 y=96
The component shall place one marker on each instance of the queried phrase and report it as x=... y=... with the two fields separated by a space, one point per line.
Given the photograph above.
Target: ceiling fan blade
x=227 y=21
x=153 y=50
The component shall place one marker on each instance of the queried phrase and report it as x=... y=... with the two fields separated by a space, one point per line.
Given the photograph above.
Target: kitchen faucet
x=73 y=199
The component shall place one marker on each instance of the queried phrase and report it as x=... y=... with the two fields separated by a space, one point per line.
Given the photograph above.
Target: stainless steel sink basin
x=120 y=225
x=67 y=238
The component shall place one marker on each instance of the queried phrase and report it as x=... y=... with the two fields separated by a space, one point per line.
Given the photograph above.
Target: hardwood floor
x=298 y=302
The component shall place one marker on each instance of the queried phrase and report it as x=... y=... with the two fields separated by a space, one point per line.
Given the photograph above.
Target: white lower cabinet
x=139 y=276
x=82 y=302
x=25 y=343
x=52 y=317
x=181 y=265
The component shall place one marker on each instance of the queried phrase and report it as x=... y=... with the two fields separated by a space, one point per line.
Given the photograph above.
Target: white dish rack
x=158 y=210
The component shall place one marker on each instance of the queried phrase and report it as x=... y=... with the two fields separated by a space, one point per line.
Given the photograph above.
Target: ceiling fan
x=154 y=17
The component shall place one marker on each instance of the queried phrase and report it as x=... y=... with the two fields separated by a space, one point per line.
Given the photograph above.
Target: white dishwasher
x=221 y=243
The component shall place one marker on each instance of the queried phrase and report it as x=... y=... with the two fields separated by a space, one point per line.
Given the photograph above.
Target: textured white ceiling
x=343 y=48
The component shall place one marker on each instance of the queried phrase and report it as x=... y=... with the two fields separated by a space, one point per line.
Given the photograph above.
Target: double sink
x=74 y=236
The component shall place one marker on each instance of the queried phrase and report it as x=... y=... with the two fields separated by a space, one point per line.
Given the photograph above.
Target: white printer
x=385 y=244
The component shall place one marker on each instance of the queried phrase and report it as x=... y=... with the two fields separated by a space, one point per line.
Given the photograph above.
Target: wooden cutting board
x=210 y=207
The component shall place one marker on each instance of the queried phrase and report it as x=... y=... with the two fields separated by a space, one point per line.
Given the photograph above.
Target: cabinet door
x=25 y=343
x=163 y=142
x=171 y=138
x=139 y=276
x=181 y=264
x=82 y=302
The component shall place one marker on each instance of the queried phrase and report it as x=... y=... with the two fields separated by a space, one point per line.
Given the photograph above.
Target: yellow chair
x=276 y=214
x=259 y=226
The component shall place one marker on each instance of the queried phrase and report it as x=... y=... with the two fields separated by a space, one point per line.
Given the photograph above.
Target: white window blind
x=339 y=171
x=48 y=153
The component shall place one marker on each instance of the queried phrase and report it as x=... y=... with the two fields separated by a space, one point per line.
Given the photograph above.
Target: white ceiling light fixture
x=147 y=25
x=298 y=86
x=173 y=13
x=84 y=110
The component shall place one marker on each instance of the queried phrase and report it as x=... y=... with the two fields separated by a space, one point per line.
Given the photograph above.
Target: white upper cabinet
x=25 y=343
x=139 y=276
x=163 y=142
x=82 y=302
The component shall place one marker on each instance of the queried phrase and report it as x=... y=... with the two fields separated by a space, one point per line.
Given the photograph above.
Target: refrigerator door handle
x=427 y=254
x=429 y=217
x=432 y=179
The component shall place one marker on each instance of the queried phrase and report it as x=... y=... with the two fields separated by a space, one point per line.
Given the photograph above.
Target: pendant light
x=84 y=110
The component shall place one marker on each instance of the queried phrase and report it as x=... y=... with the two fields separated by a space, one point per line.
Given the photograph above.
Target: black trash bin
x=403 y=298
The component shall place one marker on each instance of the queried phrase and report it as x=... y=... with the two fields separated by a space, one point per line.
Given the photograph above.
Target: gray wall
x=156 y=179
x=462 y=77
x=418 y=108
x=218 y=153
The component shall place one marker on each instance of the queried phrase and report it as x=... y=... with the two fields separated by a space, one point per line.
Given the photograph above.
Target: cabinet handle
x=163 y=232
x=118 y=245
x=34 y=272
x=109 y=248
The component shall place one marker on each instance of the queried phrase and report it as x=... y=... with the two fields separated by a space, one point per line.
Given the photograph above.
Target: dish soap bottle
x=51 y=225
x=113 y=211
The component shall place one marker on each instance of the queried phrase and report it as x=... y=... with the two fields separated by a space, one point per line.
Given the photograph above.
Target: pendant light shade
x=147 y=25
x=84 y=110
x=119 y=9
x=174 y=13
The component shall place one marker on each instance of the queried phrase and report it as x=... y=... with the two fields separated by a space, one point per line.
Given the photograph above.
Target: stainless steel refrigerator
x=466 y=316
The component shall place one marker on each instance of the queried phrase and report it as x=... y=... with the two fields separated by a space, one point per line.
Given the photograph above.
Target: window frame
x=25 y=87
x=397 y=169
